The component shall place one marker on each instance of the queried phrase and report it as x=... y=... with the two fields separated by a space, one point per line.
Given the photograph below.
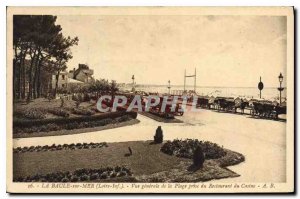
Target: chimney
x=73 y=73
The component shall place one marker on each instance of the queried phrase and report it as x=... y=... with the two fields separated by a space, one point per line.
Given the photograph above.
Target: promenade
x=263 y=142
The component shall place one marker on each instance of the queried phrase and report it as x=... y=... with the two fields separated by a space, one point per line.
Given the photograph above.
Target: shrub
x=74 y=178
x=84 y=177
x=55 y=124
x=198 y=157
x=52 y=127
x=103 y=175
x=59 y=112
x=87 y=112
x=94 y=176
x=117 y=169
x=78 y=175
x=113 y=174
x=123 y=118
x=86 y=97
x=21 y=123
x=185 y=148
x=34 y=113
x=121 y=173
x=73 y=125
x=158 y=138
x=60 y=147
x=62 y=102
x=65 y=179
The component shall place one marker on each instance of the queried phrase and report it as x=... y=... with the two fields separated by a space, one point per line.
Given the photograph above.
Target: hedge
x=39 y=122
x=59 y=147
x=186 y=148
x=79 y=175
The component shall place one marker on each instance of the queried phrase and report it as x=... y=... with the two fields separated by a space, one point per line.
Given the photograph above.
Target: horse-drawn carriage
x=267 y=109
x=227 y=104
x=205 y=102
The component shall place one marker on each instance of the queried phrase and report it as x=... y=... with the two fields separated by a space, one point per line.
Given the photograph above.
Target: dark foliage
x=34 y=114
x=22 y=123
x=185 y=148
x=71 y=125
x=158 y=138
x=86 y=112
x=60 y=147
x=80 y=175
x=198 y=157
x=59 y=112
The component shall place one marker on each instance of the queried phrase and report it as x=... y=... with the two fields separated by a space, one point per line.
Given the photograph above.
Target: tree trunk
x=56 y=83
x=35 y=76
x=16 y=73
x=23 y=74
x=39 y=84
x=29 y=97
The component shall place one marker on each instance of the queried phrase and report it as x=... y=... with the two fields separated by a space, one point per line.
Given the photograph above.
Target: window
x=63 y=85
x=63 y=77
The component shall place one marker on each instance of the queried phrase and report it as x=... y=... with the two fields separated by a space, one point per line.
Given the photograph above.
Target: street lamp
x=280 y=77
x=133 y=89
x=169 y=86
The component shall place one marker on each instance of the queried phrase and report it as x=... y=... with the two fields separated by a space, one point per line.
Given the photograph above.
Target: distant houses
x=80 y=76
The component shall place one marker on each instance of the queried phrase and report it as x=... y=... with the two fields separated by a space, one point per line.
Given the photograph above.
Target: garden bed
x=77 y=131
x=26 y=126
x=59 y=147
x=80 y=175
x=185 y=148
x=42 y=117
x=146 y=164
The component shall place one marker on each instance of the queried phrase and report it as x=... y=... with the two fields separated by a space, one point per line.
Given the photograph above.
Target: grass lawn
x=147 y=163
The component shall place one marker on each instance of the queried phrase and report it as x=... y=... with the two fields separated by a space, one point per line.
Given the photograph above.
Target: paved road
x=261 y=141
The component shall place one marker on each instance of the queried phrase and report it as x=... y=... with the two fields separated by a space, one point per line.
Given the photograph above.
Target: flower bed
x=185 y=148
x=31 y=114
x=59 y=112
x=79 y=175
x=81 y=111
x=23 y=123
x=60 y=147
x=71 y=125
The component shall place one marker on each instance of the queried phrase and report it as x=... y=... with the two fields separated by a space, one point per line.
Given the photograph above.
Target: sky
x=229 y=51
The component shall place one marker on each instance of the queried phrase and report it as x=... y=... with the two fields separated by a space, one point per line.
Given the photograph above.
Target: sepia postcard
x=150 y=100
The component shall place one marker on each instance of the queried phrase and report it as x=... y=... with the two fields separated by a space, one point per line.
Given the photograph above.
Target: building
x=62 y=80
x=82 y=73
x=80 y=76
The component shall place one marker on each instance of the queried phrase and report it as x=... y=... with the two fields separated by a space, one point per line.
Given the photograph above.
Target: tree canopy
x=40 y=50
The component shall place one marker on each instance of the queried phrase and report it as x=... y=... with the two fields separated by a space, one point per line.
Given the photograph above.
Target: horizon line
x=176 y=85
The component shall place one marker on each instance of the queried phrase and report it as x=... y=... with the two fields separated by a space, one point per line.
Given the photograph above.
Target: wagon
x=267 y=109
x=205 y=102
x=225 y=104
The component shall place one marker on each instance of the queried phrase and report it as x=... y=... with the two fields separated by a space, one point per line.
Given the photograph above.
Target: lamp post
x=280 y=77
x=133 y=89
x=169 y=86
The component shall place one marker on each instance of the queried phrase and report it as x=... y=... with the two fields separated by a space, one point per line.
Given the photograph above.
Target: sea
x=268 y=93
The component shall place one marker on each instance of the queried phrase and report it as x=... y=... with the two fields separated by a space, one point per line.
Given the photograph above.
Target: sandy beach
x=261 y=141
